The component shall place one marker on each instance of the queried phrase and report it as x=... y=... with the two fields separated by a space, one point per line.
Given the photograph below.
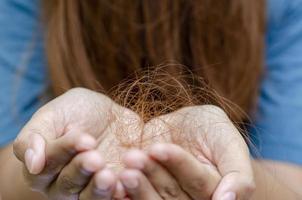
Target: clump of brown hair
x=156 y=92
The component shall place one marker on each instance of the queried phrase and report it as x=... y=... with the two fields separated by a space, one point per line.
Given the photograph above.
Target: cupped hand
x=71 y=145
x=57 y=146
x=211 y=160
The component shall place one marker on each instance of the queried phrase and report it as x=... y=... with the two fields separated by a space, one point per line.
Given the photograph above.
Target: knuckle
x=82 y=94
x=77 y=90
x=213 y=108
x=211 y=111
x=85 y=93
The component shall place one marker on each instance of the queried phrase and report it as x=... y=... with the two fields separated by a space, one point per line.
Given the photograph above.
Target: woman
x=226 y=39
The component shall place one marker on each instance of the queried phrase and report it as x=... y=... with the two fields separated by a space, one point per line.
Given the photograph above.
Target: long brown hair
x=97 y=43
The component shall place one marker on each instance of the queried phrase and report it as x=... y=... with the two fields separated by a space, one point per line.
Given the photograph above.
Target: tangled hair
x=154 y=93
x=97 y=43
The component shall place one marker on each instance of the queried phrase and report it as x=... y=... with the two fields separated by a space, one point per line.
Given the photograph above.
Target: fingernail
x=229 y=196
x=130 y=183
x=29 y=160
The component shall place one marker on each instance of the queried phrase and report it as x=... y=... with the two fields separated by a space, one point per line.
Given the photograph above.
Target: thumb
x=30 y=149
x=234 y=186
x=232 y=158
x=237 y=175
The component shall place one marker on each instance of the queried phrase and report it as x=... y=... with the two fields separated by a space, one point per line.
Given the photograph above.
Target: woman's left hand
x=218 y=166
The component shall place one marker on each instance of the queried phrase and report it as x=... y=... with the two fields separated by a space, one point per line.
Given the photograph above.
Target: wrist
x=12 y=182
x=268 y=186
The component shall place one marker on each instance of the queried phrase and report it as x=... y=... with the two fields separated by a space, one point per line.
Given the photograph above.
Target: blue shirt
x=278 y=125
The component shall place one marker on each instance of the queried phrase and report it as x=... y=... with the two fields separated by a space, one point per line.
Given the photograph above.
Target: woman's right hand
x=57 y=146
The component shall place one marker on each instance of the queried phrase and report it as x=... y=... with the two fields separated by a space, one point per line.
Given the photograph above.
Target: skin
x=64 y=155
x=57 y=146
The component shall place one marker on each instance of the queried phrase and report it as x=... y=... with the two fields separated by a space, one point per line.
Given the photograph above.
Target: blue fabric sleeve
x=278 y=132
x=22 y=65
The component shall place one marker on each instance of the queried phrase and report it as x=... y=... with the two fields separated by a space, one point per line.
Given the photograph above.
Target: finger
x=163 y=182
x=119 y=192
x=235 y=167
x=137 y=185
x=34 y=157
x=230 y=154
x=30 y=150
x=235 y=185
x=60 y=151
x=29 y=146
x=101 y=187
x=199 y=180
x=76 y=175
x=36 y=151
